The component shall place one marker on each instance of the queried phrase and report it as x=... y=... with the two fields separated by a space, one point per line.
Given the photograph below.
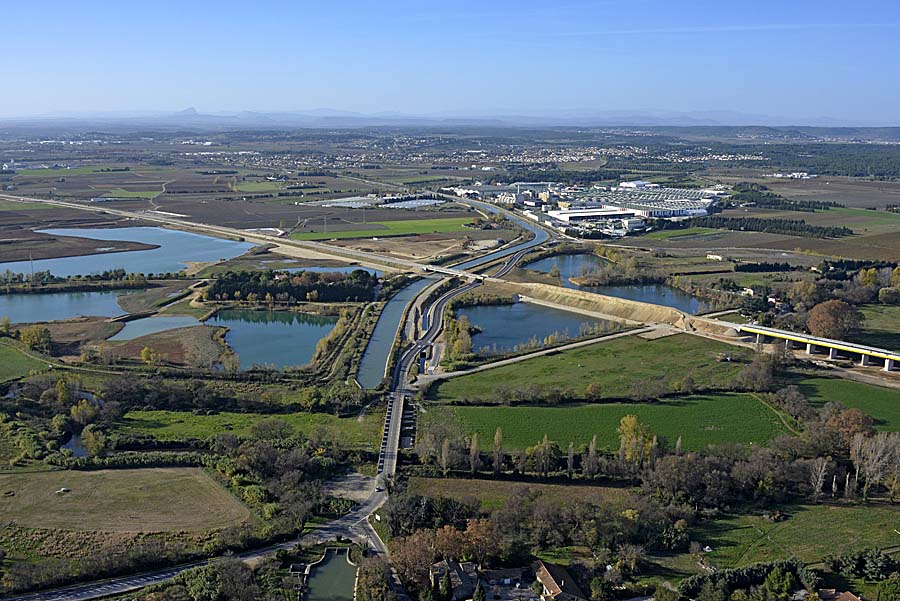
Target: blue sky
x=795 y=59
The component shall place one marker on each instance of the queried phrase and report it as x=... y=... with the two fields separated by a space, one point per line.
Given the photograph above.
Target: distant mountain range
x=332 y=118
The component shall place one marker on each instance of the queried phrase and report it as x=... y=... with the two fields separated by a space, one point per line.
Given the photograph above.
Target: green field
x=175 y=425
x=883 y=404
x=881 y=327
x=60 y=171
x=14 y=363
x=10 y=205
x=685 y=233
x=128 y=500
x=493 y=493
x=391 y=228
x=121 y=193
x=809 y=534
x=261 y=186
x=699 y=419
x=615 y=365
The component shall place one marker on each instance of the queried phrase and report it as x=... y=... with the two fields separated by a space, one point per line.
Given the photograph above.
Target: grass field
x=493 y=493
x=615 y=365
x=883 y=404
x=391 y=228
x=138 y=500
x=699 y=419
x=262 y=186
x=10 y=205
x=121 y=193
x=14 y=363
x=685 y=233
x=172 y=425
x=881 y=327
x=809 y=534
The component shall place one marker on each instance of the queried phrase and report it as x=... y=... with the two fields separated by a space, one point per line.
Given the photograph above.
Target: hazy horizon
x=822 y=62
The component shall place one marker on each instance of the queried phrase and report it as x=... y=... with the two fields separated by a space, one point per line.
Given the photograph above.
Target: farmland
x=493 y=493
x=883 y=404
x=175 y=425
x=14 y=363
x=699 y=419
x=391 y=228
x=145 y=500
x=881 y=327
x=614 y=365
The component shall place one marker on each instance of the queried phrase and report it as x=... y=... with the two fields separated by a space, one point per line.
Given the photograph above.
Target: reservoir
x=273 y=338
x=657 y=294
x=29 y=308
x=176 y=248
x=333 y=578
x=505 y=327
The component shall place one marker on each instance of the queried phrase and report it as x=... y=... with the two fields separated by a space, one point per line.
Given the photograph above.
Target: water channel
x=176 y=249
x=657 y=294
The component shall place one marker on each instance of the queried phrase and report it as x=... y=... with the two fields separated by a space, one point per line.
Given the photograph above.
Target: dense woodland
x=271 y=286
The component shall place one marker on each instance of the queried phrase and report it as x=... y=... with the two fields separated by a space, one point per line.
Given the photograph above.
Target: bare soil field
x=195 y=346
x=69 y=335
x=422 y=246
x=851 y=192
x=128 y=500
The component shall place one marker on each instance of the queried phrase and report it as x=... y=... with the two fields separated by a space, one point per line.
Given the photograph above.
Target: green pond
x=332 y=579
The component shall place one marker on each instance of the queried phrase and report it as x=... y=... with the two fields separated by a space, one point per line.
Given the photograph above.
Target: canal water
x=658 y=294
x=506 y=327
x=277 y=338
x=176 y=248
x=29 y=308
x=332 y=579
x=375 y=357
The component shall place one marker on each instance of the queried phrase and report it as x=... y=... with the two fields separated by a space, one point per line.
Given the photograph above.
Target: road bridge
x=889 y=359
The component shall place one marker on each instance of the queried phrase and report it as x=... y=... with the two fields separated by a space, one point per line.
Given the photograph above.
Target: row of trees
x=786 y=227
x=270 y=287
